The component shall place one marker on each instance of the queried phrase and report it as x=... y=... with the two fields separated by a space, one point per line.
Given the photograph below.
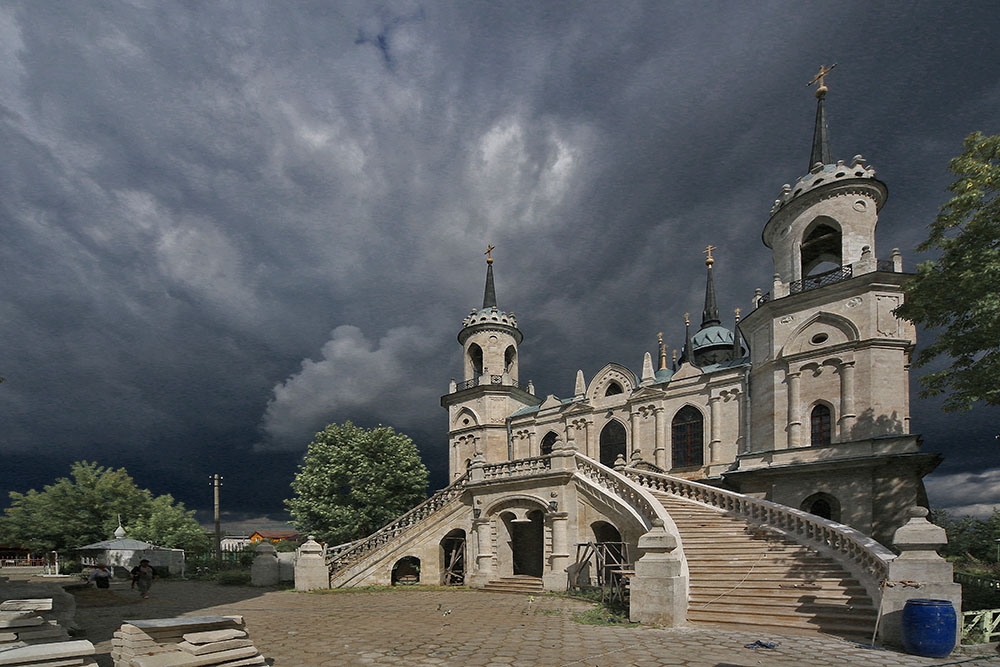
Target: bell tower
x=478 y=406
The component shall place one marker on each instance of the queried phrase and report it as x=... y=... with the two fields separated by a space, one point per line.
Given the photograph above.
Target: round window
x=819 y=339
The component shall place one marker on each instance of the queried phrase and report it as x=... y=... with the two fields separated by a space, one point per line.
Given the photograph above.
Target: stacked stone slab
x=22 y=624
x=59 y=654
x=189 y=641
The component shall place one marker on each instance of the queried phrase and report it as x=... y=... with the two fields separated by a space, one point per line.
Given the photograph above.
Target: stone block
x=180 y=658
x=28 y=655
x=19 y=619
x=213 y=636
x=31 y=604
x=182 y=621
x=213 y=647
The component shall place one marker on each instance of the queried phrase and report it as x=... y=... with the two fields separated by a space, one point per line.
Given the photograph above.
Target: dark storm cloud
x=225 y=225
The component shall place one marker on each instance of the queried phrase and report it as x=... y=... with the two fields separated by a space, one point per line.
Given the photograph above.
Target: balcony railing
x=493 y=380
x=820 y=280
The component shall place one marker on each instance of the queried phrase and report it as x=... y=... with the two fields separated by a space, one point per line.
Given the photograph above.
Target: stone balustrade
x=338 y=559
x=518 y=468
x=861 y=555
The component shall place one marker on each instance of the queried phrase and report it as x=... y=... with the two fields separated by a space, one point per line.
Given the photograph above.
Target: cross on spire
x=708 y=251
x=488 y=253
x=823 y=71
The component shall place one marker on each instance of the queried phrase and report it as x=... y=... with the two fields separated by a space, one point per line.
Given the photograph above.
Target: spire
x=688 y=340
x=737 y=350
x=821 y=133
x=710 y=316
x=662 y=351
x=490 y=294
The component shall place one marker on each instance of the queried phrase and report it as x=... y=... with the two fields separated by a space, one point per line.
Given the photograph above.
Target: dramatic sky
x=226 y=224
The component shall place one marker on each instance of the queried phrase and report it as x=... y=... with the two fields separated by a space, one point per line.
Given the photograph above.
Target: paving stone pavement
x=458 y=627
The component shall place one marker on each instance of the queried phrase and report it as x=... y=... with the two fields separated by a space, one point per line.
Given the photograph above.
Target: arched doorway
x=613 y=443
x=406 y=571
x=527 y=542
x=453 y=558
x=611 y=552
x=822 y=505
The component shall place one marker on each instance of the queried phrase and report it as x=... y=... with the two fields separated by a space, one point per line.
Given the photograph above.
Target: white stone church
x=769 y=465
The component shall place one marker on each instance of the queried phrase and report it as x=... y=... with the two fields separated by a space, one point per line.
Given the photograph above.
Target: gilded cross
x=737 y=312
x=708 y=250
x=823 y=71
x=489 y=256
x=687 y=318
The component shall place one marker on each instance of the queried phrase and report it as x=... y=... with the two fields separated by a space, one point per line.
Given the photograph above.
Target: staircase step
x=516 y=584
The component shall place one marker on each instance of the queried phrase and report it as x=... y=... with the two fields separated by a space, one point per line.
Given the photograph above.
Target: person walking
x=142 y=577
x=100 y=575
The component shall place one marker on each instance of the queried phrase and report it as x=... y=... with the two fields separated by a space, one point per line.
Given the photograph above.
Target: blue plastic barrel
x=929 y=627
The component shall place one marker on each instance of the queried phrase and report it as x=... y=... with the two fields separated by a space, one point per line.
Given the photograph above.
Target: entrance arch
x=526 y=542
x=406 y=571
x=453 y=558
x=613 y=443
x=822 y=505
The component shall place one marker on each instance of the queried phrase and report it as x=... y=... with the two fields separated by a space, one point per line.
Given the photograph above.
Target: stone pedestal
x=310 y=569
x=264 y=571
x=556 y=578
x=918 y=572
x=659 y=589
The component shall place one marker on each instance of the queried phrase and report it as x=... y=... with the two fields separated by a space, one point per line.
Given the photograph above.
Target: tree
x=959 y=293
x=84 y=508
x=353 y=481
x=169 y=525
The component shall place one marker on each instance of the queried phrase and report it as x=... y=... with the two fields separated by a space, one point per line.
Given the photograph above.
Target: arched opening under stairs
x=406 y=571
x=453 y=558
x=613 y=442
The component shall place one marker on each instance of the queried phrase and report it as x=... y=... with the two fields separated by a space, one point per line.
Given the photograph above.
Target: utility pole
x=216 y=483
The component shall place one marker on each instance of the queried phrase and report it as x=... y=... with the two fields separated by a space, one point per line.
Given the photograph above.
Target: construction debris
x=189 y=641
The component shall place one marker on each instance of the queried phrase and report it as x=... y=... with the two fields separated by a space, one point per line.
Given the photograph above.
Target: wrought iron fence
x=820 y=280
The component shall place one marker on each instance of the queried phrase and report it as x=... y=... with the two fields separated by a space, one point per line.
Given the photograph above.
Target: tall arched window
x=475 y=361
x=821 y=424
x=547 y=442
x=687 y=438
x=613 y=440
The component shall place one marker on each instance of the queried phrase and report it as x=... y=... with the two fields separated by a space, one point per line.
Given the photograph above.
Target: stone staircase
x=519 y=583
x=755 y=579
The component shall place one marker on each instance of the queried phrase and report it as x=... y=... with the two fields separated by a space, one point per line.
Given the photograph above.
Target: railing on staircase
x=858 y=552
x=339 y=558
x=632 y=494
x=518 y=467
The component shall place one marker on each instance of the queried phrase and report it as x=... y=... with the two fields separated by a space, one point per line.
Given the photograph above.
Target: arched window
x=821 y=247
x=822 y=505
x=613 y=440
x=510 y=360
x=821 y=422
x=613 y=388
x=475 y=361
x=547 y=442
x=687 y=438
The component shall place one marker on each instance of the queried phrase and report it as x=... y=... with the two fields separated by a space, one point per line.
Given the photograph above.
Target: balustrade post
x=658 y=591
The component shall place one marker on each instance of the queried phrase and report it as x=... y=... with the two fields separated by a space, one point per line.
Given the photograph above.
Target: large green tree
x=959 y=292
x=352 y=481
x=84 y=508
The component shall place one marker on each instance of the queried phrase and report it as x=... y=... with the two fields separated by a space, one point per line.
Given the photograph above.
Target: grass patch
x=602 y=615
x=233 y=578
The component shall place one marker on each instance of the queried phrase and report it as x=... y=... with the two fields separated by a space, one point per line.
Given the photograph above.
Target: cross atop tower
x=823 y=71
x=708 y=250
x=488 y=253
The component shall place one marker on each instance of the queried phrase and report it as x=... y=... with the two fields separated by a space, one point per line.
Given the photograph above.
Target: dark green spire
x=821 y=137
x=490 y=295
x=710 y=315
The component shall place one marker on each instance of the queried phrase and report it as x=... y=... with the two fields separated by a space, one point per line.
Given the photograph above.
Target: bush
x=284 y=546
x=71 y=567
x=233 y=578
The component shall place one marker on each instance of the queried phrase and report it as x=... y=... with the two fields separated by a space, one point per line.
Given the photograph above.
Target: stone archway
x=822 y=505
x=526 y=542
x=406 y=571
x=613 y=443
x=453 y=558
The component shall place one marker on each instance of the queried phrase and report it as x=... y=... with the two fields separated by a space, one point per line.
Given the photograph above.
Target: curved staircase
x=755 y=579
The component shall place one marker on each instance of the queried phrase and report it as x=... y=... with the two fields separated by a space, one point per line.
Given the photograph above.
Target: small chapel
x=763 y=476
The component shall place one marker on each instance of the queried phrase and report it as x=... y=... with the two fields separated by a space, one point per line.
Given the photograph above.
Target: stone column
x=794 y=418
x=634 y=444
x=659 y=454
x=715 y=403
x=555 y=579
x=918 y=572
x=659 y=588
x=906 y=397
x=847 y=414
x=668 y=440
x=588 y=433
x=532 y=450
x=484 y=551
x=264 y=571
x=310 y=568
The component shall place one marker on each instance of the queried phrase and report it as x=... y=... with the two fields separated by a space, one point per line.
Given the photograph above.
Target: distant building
x=124 y=553
x=274 y=536
x=234 y=542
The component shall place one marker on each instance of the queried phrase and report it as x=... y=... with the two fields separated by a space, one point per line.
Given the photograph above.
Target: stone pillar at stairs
x=310 y=569
x=484 y=552
x=265 y=568
x=659 y=588
x=918 y=572
x=555 y=579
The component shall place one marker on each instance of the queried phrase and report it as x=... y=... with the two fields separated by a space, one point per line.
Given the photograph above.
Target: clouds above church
x=193 y=196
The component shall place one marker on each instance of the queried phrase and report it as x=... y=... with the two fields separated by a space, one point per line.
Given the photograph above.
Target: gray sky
x=227 y=224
